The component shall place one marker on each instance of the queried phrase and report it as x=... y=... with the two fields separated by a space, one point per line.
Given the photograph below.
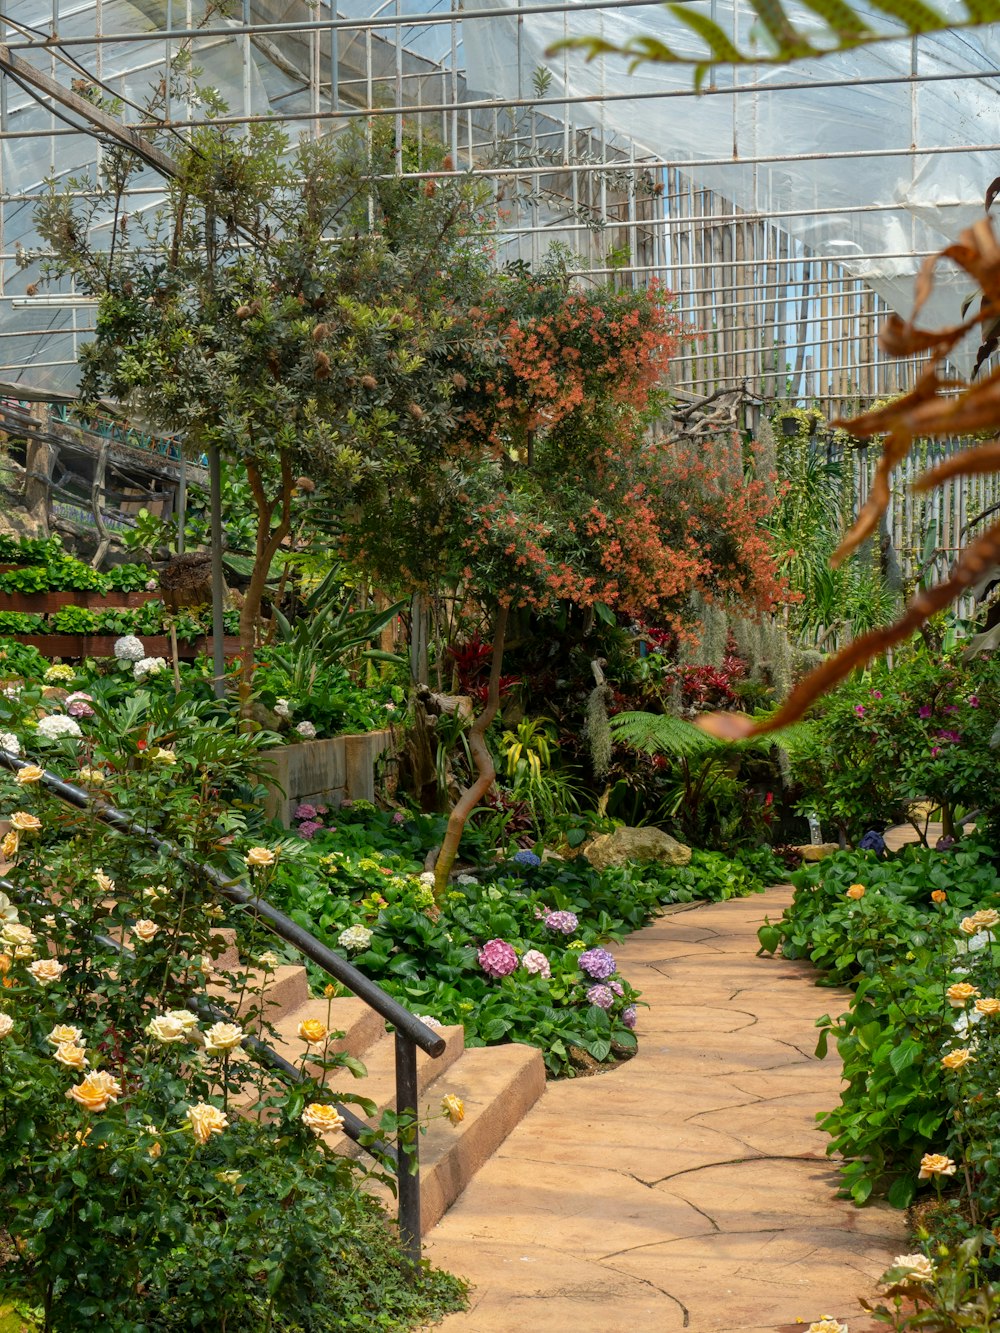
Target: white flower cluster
x=10 y=743
x=307 y=731
x=355 y=938
x=148 y=666
x=56 y=727
x=283 y=709
x=129 y=649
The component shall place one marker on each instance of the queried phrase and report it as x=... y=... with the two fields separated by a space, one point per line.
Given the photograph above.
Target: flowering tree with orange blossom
x=553 y=488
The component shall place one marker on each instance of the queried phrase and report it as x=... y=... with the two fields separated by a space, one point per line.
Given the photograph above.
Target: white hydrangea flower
x=148 y=666
x=56 y=726
x=283 y=709
x=10 y=743
x=464 y=879
x=129 y=649
x=427 y=877
x=306 y=730
x=355 y=937
x=428 y=1021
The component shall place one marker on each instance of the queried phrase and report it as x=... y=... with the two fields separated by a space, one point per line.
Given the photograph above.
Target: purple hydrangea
x=497 y=958
x=400 y=817
x=305 y=811
x=309 y=828
x=601 y=996
x=617 y=987
x=526 y=858
x=78 y=704
x=872 y=842
x=629 y=1016
x=597 y=963
x=565 y=922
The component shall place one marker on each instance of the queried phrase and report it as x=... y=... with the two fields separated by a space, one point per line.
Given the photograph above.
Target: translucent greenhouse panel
x=788 y=154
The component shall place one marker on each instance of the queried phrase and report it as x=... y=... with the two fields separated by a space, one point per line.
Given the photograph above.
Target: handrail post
x=408 y=1173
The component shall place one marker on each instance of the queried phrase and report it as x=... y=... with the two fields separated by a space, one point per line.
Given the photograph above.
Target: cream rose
x=918 y=1267
x=62 y=1033
x=166 y=1029
x=13 y=933
x=6 y=1025
x=260 y=856
x=222 y=1037
x=9 y=845
x=958 y=1059
x=29 y=774
x=960 y=994
x=988 y=1006
x=103 y=881
x=935 y=1164
x=322 y=1118
x=145 y=930
x=71 y=1055
x=96 y=1091
x=46 y=970
x=184 y=1017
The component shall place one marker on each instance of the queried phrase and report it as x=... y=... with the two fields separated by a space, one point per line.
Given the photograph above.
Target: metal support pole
x=218 y=578
x=408 y=1151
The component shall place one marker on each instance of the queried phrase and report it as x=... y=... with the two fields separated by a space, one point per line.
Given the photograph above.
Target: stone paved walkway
x=688 y=1188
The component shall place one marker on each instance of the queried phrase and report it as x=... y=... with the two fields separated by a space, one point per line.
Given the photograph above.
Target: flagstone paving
x=690 y=1187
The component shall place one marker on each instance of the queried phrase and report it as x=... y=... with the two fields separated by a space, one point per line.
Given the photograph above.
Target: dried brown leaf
x=984 y=551
x=975 y=462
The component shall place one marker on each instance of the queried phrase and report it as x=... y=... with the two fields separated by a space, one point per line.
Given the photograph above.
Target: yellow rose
x=453 y=1107
x=827 y=1325
x=935 y=1164
x=144 y=930
x=93 y=776
x=988 y=1006
x=269 y=960
x=46 y=970
x=312 y=1031
x=71 y=1055
x=161 y=756
x=205 y=1121
x=6 y=1025
x=960 y=994
x=13 y=933
x=260 y=856
x=9 y=845
x=96 y=1090
x=969 y=925
x=154 y=1149
x=25 y=823
x=62 y=1033
x=222 y=1037
x=322 y=1118
x=856 y=891
x=985 y=920
x=29 y=774
x=957 y=1059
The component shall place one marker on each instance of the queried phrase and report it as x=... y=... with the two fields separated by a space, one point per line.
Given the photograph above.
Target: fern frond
x=661 y=733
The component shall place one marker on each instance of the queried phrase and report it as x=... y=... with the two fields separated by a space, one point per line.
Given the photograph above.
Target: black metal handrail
x=410 y=1031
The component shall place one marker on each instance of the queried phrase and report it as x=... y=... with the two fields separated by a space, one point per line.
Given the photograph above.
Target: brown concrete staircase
x=498 y=1084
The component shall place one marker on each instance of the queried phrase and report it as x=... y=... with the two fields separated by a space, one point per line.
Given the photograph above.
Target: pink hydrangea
x=309 y=828
x=565 y=922
x=305 y=811
x=497 y=958
x=78 y=704
x=601 y=996
x=535 y=962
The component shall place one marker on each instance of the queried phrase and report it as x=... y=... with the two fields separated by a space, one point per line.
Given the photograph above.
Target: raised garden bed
x=42 y=603
x=326 y=771
x=103 y=645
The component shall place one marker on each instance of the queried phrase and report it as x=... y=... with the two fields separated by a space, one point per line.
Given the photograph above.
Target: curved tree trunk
x=485 y=768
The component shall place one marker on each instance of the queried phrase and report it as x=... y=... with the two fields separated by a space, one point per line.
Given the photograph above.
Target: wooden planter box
x=76 y=646
x=323 y=772
x=44 y=603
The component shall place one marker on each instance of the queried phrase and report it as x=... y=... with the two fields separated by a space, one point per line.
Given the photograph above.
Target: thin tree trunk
x=483 y=760
x=268 y=542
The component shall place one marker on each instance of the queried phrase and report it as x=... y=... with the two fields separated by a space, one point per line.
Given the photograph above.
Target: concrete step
x=285 y=990
x=499 y=1085
x=361 y=1027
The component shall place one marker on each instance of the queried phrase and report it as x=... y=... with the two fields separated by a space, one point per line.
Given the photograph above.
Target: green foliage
x=921 y=731
x=120 y=1216
x=900 y=949
x=782 y=39
x=366 y=872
